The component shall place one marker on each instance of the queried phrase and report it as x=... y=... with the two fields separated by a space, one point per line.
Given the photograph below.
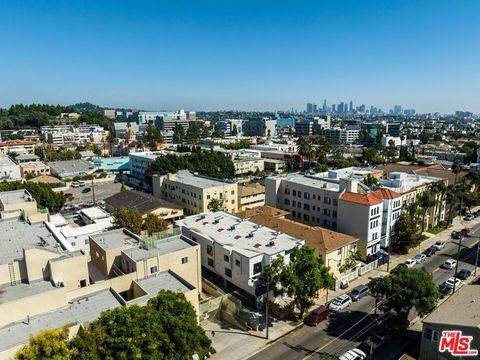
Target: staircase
x=11 y=270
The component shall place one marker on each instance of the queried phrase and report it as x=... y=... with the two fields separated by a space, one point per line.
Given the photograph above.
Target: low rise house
x=236 y=250
x=71 y=168
x=34 y=168
x=145 y=204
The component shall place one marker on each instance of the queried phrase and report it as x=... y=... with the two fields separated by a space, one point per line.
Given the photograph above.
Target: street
x=350 y=327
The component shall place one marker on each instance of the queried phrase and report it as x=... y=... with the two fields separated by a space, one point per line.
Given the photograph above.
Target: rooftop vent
x=249 y=235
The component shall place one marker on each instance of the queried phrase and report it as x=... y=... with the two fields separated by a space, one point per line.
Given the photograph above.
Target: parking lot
x=102 y=191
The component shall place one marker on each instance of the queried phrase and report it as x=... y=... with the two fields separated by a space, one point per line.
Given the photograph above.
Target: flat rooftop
x=78 y=311
x=238 y=234
x=10 y=293
x=70 y=166
x=311 y=181
x=199 y=181
x=160 y=247
x=13 y=197
x=95 y=213
x=115 y=239
x=6 y=161
x=17 y=235
x=461 y=308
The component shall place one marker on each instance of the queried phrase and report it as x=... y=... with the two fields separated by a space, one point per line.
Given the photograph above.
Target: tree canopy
x=42 y=193
x=131 y=219
x=165 y=328
x=209 y=163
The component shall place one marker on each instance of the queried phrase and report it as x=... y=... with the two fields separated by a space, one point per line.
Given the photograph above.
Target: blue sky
x=245 y=55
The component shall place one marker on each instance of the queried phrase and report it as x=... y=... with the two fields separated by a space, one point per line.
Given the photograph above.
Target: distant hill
x=87 y=107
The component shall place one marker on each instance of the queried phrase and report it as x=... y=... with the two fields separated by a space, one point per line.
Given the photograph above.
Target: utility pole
x=266 y=306
x=476 y=259
x=458 y=259
x=93 y=191
x=389 y=253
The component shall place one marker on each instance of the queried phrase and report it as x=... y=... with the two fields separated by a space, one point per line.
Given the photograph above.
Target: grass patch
x=436 y=230
x=423 y=238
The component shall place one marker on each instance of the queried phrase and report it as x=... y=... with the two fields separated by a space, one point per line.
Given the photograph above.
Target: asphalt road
x=102 y=191
x=350 y=327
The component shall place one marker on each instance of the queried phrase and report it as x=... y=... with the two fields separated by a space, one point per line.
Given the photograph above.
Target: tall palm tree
x=425 y=202
x=451 y=197
x=456 y=169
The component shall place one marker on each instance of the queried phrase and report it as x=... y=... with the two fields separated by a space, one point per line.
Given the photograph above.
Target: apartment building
x=34 y=168
x=228 y=125
x=250 y=196
x=61 y=288
x=262 y=127
x=194 y=192
x=332 y=199
x=312 y=126
x=19 y=203
x=140 y=161
x=8 y=169
x=342 y=136
x=248 y=165
x=17 y=146
x=334 y=247
x=237 y=250
x=67 y=134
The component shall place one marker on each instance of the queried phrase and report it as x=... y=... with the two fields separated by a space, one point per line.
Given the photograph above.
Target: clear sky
x=244 y=55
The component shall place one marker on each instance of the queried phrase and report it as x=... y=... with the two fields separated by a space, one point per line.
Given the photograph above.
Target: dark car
x=86 y=190
x=429 y=252
x=456 y=235
x=380 y=256
x=317 y=316
x=463 y=274
x=359 y=292
x=373 y=343
x=444 y=290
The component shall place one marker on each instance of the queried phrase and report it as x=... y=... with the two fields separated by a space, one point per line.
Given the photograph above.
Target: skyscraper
x=351 y=106
x=324 y=107
x=397 y=109
x=333 y=108
x=309 y=108
x=315 y=110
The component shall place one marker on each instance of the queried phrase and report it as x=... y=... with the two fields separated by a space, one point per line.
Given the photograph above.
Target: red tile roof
x=386 y=194
x=362 y=199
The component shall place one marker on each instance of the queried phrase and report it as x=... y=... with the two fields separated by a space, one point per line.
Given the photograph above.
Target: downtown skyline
x=243 y=56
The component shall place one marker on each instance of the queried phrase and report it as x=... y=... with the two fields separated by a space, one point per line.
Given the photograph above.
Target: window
x=210 y=262
x=208 y=197
x=313 y=207
x=306 y=195
x=306 y=207
x=185 y=260
x=339 y=251
x=294 y=192
x=228 y=272
x=237 y=262
x=287 y=191
x=232 y=192
x=294 y=203
x=294 y=213
x=334 y=214
x=335 y=202
x=257 y=268
x=427 y=334
x=306 y=217
x=299 y=215
x=226 y=258
x=299 y=204
x=153 y=270
x=73 y=243
x=299 y=194
x=86 y=241
x=286 y=202
x=326 y=212
x=435 y=336
x=313 y=196
x=326 y=223
x=327 y=200
x=210 y=250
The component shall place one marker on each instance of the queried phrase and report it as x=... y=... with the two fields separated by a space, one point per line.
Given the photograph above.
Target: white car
x=439 y=245
x=354 y=354
x=420 y=258
x=450 y=264
x=341 y=302
x=453 y=280
x=75 y=184
x=410 y=263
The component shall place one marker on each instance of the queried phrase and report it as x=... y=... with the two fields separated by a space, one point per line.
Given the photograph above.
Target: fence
x=356 y=273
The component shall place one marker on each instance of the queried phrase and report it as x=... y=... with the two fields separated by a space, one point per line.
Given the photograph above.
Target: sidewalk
x=232 y=343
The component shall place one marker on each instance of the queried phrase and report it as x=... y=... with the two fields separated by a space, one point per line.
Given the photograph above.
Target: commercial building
x=67 y=134
x=312 y=126
x=237 y=250
x=120 y=129
x=334 y=247
x=460 y=312
x=194 y=192
x=8 y=169
x=229 y=125
x=261 y=127
x=71 y=168
x=17 y=146
x=113 y=164
x=250 y=196
x=339 y=136
x=145 y=204
x=140 y=161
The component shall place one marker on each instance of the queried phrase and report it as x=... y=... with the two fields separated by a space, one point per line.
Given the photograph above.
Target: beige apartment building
x=34 y=168
x=194 y=192
x=19 y=203
x=250 y=196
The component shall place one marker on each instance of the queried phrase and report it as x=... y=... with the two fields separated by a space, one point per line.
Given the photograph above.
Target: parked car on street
x=70 y=207
x=419 y=258
x=450 y=264
x=354 y=354
x=409 y=263
x=341 y=302
x=88 y=204
x=466 y=231
x=453 y=280
x=439 y=245
x=463 y=274
x=444 y=289
x=373 y=342
x=317 y=316
x=456 y=235
x=430 y=251
x=86 y=190
x=359 y=292
x=469 y=217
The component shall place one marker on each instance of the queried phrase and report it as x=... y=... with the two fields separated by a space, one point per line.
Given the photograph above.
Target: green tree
x=406 y=289
x=215 y=205
x=456 y=169
x=234 y=131
x=194 y=132
x=424 y=137
x=178 y=133
x=153 y=224
x=425 y=201
x=47 y=344
x=370 y=180
x=301 y=278
x=406 y=232
x=130 y=219
x=217 y=132
x=42 y=193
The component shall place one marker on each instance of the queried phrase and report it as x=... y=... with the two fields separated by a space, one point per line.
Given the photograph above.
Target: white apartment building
x=236 y=249
x=66 y=134
x=17 y=146
x=340 y=136
x=8 y=169
x=228 y=125
x=194 y=192
x=140 y=161
x=166 y=121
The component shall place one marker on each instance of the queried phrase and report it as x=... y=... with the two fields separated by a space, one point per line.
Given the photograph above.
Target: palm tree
x=215 y=205
x=425 y=202
x=304 y=148
x=451 y=197
x=439 y=190
x=456 y=169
